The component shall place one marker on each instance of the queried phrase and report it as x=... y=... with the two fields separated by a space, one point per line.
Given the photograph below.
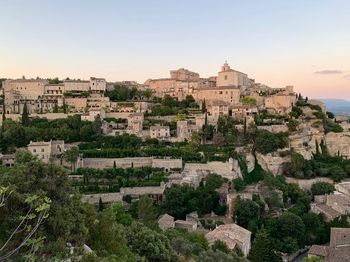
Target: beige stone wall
x=280 y=103
x=230 y=77
x=211 y=96
x=159 y=131
x=76 y=86
x=29 y=89
x=76 y=103
x=101 y=163
x=184 y=75
x=307 y=183
x=274 y=128
x=167 y=163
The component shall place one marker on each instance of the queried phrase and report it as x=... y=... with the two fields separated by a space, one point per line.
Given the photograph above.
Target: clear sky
x=305 y=43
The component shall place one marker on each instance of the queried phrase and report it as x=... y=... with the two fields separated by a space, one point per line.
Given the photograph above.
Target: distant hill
x=337 y=106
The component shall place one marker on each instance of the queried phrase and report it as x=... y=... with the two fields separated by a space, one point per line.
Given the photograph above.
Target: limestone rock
x=338 y=143
x=272 y=162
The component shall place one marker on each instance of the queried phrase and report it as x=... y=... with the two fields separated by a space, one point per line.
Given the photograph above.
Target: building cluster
x=333 y=205
x=338 y=249
x=230 y=93
x=223 y=93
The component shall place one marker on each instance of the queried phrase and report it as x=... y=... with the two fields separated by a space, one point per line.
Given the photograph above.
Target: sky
x=304 y=43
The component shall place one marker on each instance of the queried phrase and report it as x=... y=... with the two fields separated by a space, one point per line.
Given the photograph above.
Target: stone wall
x=101 y=163
x=274 y=128
x=167 y=163
x=307 y=183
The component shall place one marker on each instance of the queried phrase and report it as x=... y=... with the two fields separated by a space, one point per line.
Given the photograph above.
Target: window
x=34 y=150
x=42 y=150
x=225 y=77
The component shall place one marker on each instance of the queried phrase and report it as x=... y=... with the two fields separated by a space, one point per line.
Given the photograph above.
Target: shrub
x=322 y=188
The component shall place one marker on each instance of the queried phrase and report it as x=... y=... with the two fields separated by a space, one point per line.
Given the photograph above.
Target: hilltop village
x=183 y=168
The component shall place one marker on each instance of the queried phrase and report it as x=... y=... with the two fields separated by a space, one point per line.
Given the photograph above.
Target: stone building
x=159 y=132
x=281 y=102
x=212 y=95
x=107 y=198
x=154 y=192
x=165 y=222
x=135 y=124
x=46 y=151
x=181 y=83
x=232 y=235
x=76 y=86
x=338 y=249
x=228 y=77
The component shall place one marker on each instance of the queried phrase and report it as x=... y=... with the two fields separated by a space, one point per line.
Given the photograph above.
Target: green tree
x=25 y=115
x=71 y=156
x=149 y=244
x=247 y=213
x=262 y=248
x=322 y=188
x=146 y=211
x=108 y=237
x=219 y=245
x=239 y=184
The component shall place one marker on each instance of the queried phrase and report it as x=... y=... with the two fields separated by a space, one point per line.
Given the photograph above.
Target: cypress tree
x=204 y=107
x=100 y=205
x=262 y=248
x=25 y=115
x=317 y=148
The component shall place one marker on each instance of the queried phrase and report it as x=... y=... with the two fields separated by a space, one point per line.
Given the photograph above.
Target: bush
x=239 y=184
x=322 y=188
x=267 y=142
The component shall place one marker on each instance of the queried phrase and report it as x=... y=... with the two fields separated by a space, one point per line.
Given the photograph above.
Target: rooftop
x=231 y=234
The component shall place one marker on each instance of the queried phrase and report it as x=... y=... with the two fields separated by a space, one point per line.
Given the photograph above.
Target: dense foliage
x=322 y=165
x=112 y=179
x=181 y=200
x=114 y=233
x=71 y=129
x=267 y=142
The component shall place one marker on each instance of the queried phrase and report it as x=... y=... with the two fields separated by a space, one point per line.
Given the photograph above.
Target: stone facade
x=46 y=151
x=159 y=132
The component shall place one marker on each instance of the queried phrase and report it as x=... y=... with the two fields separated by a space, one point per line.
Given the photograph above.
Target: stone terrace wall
x=307 y=183
x=101 y=163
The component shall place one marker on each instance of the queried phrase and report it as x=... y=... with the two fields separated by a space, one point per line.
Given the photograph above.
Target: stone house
x=107 y=198
x=188 y=225
x=165 y=222
x=233 y=236
x=338 y=249
x=47 y=151
x=135 y=124
x=159 y=132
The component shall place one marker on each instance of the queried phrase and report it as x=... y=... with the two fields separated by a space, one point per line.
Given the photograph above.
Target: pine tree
x=262 y=248
x=25 y=115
